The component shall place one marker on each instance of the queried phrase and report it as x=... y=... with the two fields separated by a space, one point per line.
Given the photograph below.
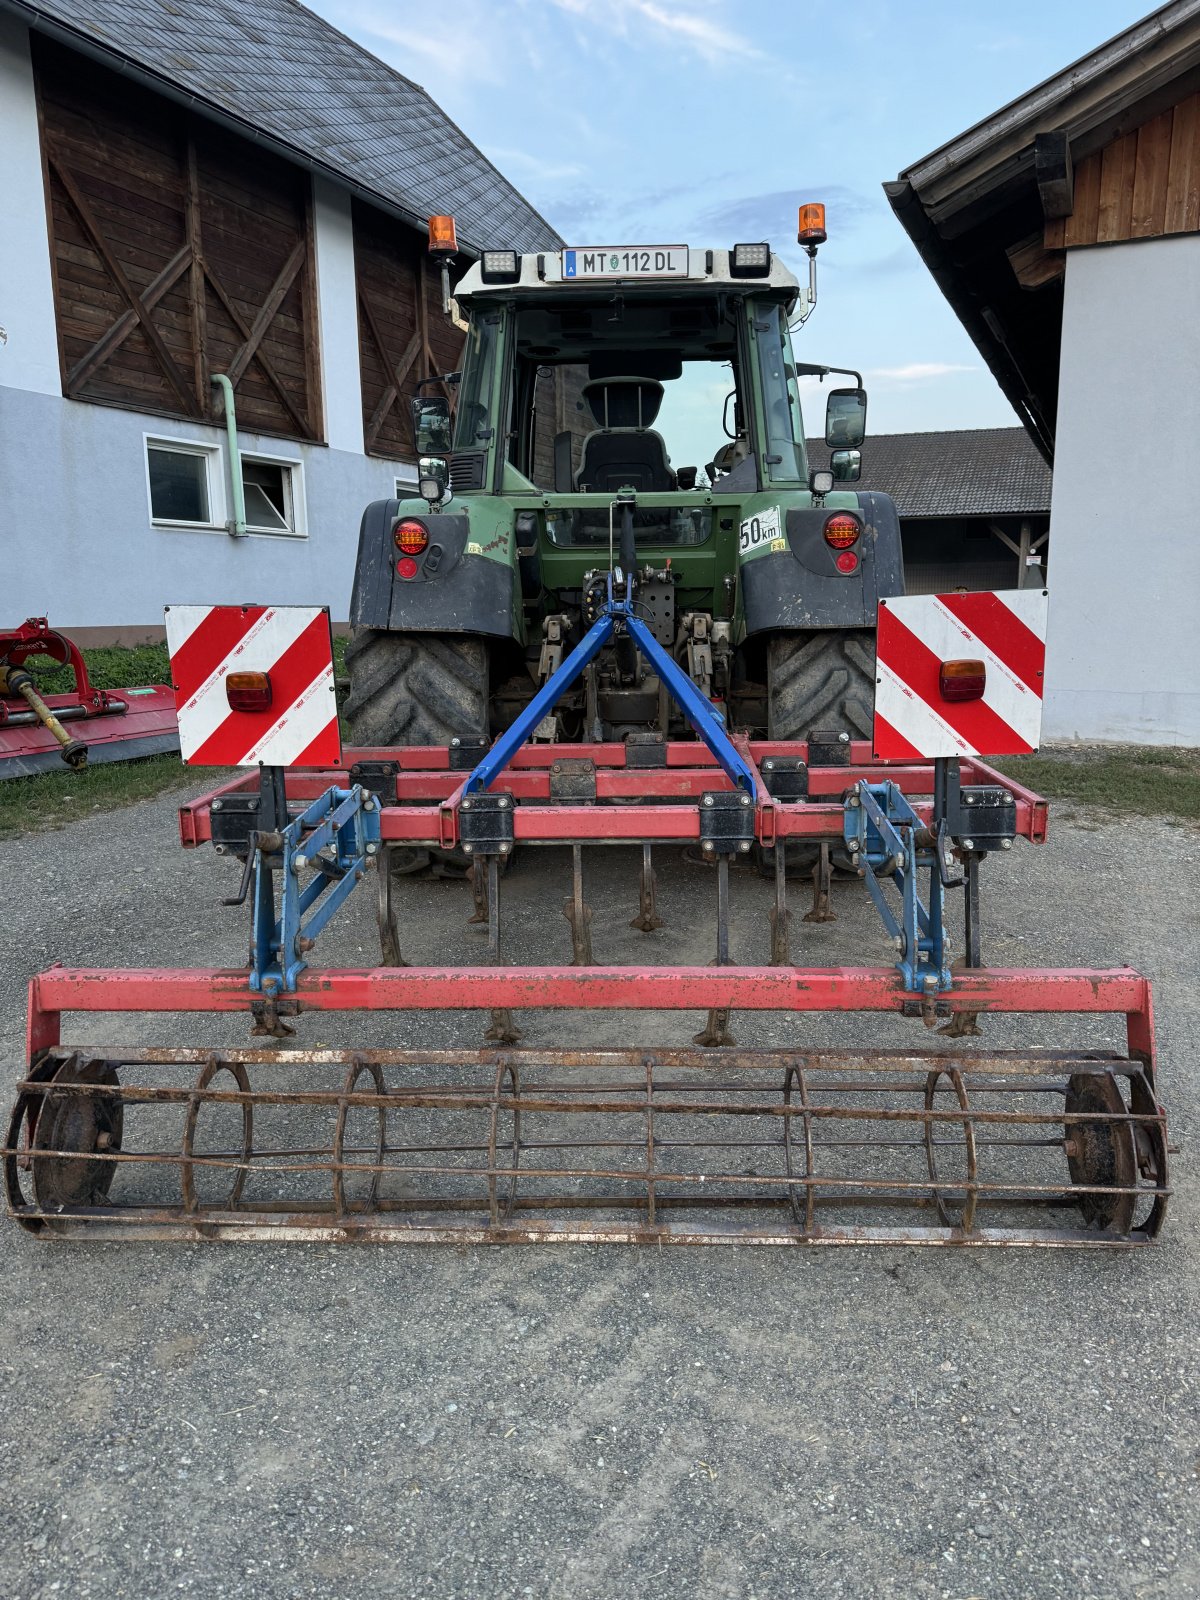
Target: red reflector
x=847 y=561
x=962 y=680
x=406 y=567
x=248 y=691
x=411 y=537
x=842 y=530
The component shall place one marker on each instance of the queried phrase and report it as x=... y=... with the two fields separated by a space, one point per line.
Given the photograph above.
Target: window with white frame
x=274 y=493
x=184 y=484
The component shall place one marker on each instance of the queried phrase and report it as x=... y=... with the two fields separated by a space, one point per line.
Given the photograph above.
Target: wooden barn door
x=178 y=252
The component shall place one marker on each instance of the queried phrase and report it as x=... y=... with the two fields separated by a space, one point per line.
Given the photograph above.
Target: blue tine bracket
x=886 y=836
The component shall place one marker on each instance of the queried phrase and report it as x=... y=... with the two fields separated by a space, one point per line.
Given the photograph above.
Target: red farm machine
x=79 y=726
x=567 y=643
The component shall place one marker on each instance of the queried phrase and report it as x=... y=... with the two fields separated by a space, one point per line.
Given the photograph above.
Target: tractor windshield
x=591 y=393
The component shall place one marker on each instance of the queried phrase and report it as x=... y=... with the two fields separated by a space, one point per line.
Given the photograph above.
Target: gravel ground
x=291 y=1420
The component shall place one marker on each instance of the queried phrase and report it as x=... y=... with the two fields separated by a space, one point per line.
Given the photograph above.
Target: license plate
x=622 y=261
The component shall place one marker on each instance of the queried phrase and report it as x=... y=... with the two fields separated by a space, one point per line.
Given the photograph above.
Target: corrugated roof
x=274 y=68
x=965 y=472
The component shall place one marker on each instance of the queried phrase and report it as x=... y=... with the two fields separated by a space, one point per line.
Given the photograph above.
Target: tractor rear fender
x=456 y=587
x=800 y=584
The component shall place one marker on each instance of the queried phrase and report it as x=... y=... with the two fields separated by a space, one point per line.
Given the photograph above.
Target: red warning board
x=293 y=646
x=919 y=633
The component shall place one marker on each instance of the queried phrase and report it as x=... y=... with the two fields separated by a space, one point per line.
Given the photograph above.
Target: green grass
x=111 y=667
x=1132 y=780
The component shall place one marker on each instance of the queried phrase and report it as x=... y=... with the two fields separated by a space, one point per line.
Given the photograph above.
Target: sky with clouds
x=707 y=121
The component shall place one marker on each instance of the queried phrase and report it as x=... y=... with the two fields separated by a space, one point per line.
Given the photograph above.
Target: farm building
x=214 y=247
x=974 y=505
x=1065 y=233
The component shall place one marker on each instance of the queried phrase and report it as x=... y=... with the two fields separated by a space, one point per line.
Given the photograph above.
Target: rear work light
x=750 y=260
x=248 y=691
x=411 y=537
x=962 y=680
x=842 y=530
x=500 y=266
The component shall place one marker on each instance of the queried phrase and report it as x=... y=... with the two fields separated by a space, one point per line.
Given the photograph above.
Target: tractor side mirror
x=431 y=424
x=846 y=466
x=845 y=418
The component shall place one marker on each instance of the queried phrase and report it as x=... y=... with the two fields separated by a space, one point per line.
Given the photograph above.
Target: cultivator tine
x=389 y=936
x=479 y=894
x=578 y=913
x=502 y=1029
x=822 y=876
x=716 y=1029
x=781 y=917
x=965 y=1024
x=647 y=919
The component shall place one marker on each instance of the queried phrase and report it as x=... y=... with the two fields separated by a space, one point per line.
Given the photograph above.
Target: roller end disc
x=85 y=1123
x=1101 y=1152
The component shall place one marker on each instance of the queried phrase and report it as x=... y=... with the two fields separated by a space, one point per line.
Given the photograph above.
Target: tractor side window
x=474 y=424
x=784 y=441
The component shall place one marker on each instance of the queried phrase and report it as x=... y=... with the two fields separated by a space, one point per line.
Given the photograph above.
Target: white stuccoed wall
x=1125 y=519
x=30 y=358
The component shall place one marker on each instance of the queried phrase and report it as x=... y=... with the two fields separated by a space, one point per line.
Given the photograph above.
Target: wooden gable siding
x=178 y=251
x=402 y=334
x=1144 y=185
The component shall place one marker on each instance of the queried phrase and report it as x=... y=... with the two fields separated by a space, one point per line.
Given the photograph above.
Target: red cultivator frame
x=700 y=1144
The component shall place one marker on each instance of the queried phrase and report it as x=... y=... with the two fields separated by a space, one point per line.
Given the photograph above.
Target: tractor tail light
x=406 y=567
x=248 y=691
x=842 y=530
x=411 y=537
x=962 y=680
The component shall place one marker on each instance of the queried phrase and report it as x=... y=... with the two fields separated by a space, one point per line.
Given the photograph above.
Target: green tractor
x=584 y=373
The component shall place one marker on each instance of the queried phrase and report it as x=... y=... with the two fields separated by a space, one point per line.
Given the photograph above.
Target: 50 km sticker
x=760 y=529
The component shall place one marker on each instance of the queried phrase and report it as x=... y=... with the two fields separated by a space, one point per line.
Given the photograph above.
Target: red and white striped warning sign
x=920 y=633
x=293 y=646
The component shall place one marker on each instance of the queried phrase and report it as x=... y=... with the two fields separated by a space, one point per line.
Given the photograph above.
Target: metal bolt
x=708 y=846
x=299 y=863
x=466 y=805
x=743 y=844
x=216 y=805
x=708 y=800
x=369 y=805
x=1008 y=799
x=468 y=848
x=503 y=802
x=843 y=738
x=768 y=766
x=1006 y=844
x=852 y=801
x=970 y=799
x=968 y=844
x=745 y=799
x=504 y=849
x=371 y=849
x=898 y=943
x=104 y=1141
x=454 y=743
x=220 y=849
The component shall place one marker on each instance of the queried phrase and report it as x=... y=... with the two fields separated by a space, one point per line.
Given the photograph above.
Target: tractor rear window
x=662 y=525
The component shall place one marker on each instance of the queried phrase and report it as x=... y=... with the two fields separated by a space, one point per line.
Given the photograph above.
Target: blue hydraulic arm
x=704 y=717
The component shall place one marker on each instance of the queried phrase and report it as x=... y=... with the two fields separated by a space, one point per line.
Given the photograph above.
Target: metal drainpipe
x=237 y=527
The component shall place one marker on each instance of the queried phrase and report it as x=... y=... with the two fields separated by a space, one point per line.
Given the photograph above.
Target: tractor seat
x=624 y=451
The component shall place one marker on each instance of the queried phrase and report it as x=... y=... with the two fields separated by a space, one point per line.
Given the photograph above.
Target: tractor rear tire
x=416 y=688
x=821 y=680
